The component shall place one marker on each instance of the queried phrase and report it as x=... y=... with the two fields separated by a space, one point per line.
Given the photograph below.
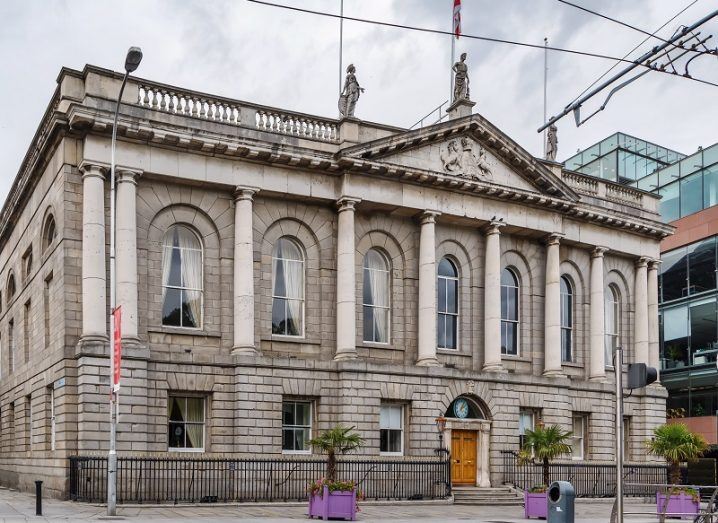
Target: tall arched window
x=48 y=232
x=613 y=322
x=287 y=288
x=448 y=306
x=182 y=278
x=509 y=313
x=375 y=297
x=566 y=320
x=10 y=293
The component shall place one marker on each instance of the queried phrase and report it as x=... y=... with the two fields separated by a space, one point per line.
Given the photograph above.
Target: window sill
x=391 y=453
x=183 y=331
x=509 y=357
x=183 y=451
x=375 y=345
x=291 y=339
x=452 y=352
x=572 y=364
x=297 y=452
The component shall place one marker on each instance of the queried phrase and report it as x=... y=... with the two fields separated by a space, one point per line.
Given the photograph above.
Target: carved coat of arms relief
x=464 y=157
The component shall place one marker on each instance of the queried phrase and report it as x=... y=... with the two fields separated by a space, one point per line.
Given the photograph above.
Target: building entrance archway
x=466 y=436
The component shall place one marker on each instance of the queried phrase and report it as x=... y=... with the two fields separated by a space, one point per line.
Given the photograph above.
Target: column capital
x=128 y=175
x=429 y=216
x=554 y=238
x=90 y=170
x=599 y=251
x=244 y=193
x=654 y=264
x=642 y=262
x=347 y=203
x=493 y=226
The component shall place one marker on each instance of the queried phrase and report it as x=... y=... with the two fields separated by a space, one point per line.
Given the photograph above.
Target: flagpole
x=453 y=50
x=341 y=42
x=545 y=81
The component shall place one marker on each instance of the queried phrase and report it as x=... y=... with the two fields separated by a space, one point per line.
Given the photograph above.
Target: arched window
x=509 y=313
x=566 y=320
x=182 y=278
x=48 y=232
x=375 y=297
x=10 y=293
x=287 y=288
x=448 y=319
x=613 y=322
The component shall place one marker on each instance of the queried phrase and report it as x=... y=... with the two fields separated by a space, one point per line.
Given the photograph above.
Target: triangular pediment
x=470 y=149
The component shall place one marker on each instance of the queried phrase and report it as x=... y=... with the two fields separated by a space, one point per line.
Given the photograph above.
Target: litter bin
x=561 y=497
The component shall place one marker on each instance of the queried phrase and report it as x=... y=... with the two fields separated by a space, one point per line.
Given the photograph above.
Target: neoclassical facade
x=280 y=273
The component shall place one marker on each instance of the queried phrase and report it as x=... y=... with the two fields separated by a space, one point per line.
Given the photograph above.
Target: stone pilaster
x=597 y=331
x=552 y=309
x=94 y=275
x=427 y=290
x=126 y=252
x=243 y=272
x=346 y=281
x=492 y=298
x=640 y=333
x=653 y=345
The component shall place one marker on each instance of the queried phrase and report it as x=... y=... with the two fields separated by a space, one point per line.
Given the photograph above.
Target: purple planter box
x=681 y=504
x=336 y=505
x=535 y=504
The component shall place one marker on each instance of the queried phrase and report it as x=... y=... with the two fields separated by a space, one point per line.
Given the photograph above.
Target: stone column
x=653 y=345
x=346 y=281
x=552 y=309
x=492 y=299
x=597 y=332
x=640 y=332
x=126 y=252
x=243 y=272
x=94 y=284
x=427 y=290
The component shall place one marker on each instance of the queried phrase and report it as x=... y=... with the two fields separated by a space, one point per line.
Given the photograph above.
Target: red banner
x=117 y=348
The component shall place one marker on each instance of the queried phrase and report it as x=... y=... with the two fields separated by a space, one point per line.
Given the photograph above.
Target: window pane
x=566 y=345
x=294 y=317
x=512 y=304
x=702 y=266
x=279 y=316
x=675 y=336
x=287 y=439
x=368 y=323
x=279 y=285
x=176 y=409
x=710 y=186
x=175 y=274
x=176 y=435
x=303 y=414
x=670 y=202
x=367 y=294
x=191 y=307
x=451 y=332
x=452 y=296
x=446 y=268
x=691 y=194
x=381 y=325
x=442 y=283
x=288 y=413
x=674 y=274
x=172 y=308
x=441 y=330
x=195 y=409
x=704 y=332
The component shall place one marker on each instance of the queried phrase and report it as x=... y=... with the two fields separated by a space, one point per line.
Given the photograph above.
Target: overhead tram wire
x=679 y=13
x=474 y=37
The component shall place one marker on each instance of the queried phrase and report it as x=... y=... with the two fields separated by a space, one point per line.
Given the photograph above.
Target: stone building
x=280 y=273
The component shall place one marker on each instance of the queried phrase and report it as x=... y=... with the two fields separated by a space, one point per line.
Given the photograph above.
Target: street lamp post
x=132 y=62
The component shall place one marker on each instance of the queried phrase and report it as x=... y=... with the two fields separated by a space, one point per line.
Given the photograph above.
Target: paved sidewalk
x=19 y=506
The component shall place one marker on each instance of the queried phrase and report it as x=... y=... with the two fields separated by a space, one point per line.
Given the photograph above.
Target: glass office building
x=622 y=158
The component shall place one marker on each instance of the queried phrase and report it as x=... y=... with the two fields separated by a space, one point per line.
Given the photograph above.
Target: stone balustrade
x=623 y=194
x=582 y=184
x=173 y=101
x=608 y=190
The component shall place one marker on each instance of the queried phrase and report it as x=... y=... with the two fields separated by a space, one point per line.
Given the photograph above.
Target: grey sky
x=290 y=60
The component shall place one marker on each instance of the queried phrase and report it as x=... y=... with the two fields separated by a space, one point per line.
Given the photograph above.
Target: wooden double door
x=463 y=457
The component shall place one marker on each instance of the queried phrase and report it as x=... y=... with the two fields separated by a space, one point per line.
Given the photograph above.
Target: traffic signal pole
x=618 y=366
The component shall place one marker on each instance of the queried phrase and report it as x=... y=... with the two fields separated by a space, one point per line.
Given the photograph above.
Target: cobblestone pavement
x=19 y=506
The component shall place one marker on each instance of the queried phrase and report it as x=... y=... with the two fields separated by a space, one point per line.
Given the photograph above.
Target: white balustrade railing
x=296 y=125
x=624 y=194
x=173 y=101
x=580 y=183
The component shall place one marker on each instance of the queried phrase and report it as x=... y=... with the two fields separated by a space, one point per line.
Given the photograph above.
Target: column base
x=598 y=379
x=493 y=367
x=553 y=374
x=345 y=355
x=428 y=362
x=248 y=350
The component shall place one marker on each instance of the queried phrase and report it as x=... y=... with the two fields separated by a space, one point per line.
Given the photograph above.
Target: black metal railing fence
x=593 y=480
x=211 y=480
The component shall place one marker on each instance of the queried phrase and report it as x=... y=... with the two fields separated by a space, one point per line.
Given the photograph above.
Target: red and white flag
x=117 y=348
x=457 y=18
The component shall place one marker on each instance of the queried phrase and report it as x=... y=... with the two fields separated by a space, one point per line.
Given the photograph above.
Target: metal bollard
x=38 y=498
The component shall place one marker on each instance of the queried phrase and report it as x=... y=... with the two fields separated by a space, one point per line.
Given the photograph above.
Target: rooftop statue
x=552 y=143
x=461 y=79
x=350 y=93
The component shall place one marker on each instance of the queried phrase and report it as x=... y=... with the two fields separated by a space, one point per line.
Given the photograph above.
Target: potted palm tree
x=543 y=444
x=676 y=443
x=329 y=497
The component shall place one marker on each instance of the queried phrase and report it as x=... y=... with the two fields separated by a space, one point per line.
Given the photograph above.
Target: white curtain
x=167 y=260
x=611 y=324
x=293 y=267
x=191 y=272
x=379 y=285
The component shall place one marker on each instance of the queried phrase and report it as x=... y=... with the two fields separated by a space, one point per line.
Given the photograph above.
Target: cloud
x=287 y=59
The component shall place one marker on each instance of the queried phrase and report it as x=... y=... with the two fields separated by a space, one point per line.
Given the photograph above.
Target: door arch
x=467 y=437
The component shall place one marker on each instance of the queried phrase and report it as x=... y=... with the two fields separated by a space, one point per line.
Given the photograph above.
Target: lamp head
x=133 y=59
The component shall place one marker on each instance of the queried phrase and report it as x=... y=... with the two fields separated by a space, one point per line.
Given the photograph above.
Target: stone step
x=487 y=496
